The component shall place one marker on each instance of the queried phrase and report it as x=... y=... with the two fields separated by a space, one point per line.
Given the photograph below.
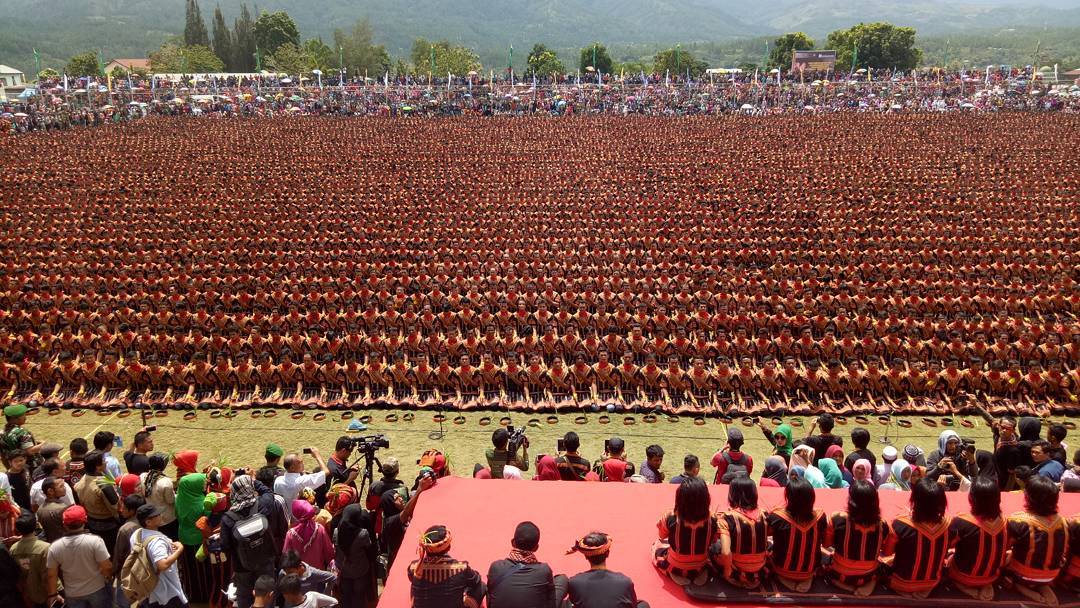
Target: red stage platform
x=482 y=515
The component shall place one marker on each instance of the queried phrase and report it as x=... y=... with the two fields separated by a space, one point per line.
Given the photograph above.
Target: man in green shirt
x=16 y=437
x=30 y=553
x=499 y=457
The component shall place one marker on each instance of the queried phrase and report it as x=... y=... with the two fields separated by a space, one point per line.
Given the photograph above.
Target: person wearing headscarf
x=900 y=479
x=803 y=458
x=195 y=574
x=547 y=469
x=439 y=580
x=248 y=497
x=309 y=539
x=355 y=554
x=186 y=462
x=952 y=460
x=782 y=440
x=775 y=473
x=511 y=472
x=862 y=470
x=833 y=477
x=836 y=454
x=160 y=492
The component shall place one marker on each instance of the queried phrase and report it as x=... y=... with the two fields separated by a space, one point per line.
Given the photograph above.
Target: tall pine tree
x=223 y=42
x=194 y=26
x=244 y=41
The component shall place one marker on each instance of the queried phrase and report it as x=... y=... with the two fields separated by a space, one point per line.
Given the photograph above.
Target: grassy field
x=241 y=440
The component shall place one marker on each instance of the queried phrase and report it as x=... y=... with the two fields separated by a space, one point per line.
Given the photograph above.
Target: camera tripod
x=370 y=462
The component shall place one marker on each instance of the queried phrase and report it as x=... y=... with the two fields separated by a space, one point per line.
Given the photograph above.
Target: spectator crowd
x=90 y=529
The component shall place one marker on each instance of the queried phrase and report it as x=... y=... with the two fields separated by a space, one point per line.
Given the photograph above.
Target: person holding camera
x=953 y=462
x=506 y=444
x=338 y=466
x=572 y=467
x=613 y=465
x=289 y=485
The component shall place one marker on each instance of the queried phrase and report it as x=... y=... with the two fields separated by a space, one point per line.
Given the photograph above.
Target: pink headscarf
x=832 y=452
x=304 y=514
x=860 y=471
x=547 y=469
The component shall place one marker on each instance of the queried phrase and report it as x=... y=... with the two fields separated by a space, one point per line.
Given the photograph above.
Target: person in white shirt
x=163 y=553
x=52 y=468
x=288 y=486
x=290 y=589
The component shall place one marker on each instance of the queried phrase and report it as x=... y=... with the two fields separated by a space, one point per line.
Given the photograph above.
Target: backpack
x=252 y=541
x=139 y=576
x=734 y=469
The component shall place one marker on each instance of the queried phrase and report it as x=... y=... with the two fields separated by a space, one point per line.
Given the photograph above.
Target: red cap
x=74 y=516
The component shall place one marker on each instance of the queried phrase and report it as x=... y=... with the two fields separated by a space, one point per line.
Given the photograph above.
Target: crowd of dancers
x=919 y=263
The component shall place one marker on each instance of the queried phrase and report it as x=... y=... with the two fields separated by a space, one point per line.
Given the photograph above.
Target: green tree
x=677 y=62
x=361 y=54
x=243 y=38
x=879 y=45
x=781 y=54
x=48 y=74
x=543 y=62
x=84 y=64
x=320 y=56
x=290 y=59
x=596 y=55
x=450 y=58
x=275 y=29
x=223 y=42
x=194 y=26
x=171 y=58
x=118 y=73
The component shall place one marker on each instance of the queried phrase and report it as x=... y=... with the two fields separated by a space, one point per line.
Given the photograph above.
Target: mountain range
x=132 y=28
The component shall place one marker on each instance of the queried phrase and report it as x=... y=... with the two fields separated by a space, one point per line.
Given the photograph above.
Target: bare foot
x=866 y=589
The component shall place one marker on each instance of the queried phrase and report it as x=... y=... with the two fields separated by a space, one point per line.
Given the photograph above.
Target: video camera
x=517 y=437
x=368 y=444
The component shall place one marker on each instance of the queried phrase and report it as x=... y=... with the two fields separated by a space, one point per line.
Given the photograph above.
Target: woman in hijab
x=338 y=499
x=833 y=477
x=775 y=473
x=309 y=539
x=511 y=472
x=186 y=462
x=355 y=557
x=159 y=491
x=836 y=454
x=900 y=479
x=861 y=471
x=190 y=498
x=782 y=440
x=547 y=469
x=803 y=457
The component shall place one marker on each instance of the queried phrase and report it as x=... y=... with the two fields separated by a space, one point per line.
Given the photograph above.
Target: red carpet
x=482 y=515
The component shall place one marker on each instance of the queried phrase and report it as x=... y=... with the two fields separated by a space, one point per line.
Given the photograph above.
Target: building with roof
x=11 y=77
x=127 y=65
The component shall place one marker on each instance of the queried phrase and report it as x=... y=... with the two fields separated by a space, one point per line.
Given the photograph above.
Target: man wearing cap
x=289 y=485
x=884 y=470
x=83 y=561
x=389 y=481
x=599 y=587
x=15 y=437
x=272 y=470
x=163 y=554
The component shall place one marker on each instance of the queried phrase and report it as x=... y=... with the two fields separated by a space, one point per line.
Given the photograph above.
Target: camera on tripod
x=517 y=437
x=368 y=444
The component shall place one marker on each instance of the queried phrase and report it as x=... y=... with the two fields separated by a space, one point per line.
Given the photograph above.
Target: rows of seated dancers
x=1033 y=551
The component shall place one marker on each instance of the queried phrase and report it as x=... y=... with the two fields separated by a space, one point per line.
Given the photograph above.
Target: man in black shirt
x=440 y=581
x=338 y=465
x=599 y=587
x=520 y=580
x=825 y=438
x=137 y=459
x=389 y=481
x=572 y=467
x=860 y=439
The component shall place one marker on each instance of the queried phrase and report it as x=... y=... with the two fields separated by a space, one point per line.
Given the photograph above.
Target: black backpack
x=734 y=468
x=253 y=544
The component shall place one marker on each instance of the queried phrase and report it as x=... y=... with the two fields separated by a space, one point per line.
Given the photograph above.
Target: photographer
x=389 y=481
x=572 y=467
x=953 y=461
x=294 y=479
x=504 y=451
x=613 y=465
x=338 y=466
x=731 y=461
x=397 y=513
